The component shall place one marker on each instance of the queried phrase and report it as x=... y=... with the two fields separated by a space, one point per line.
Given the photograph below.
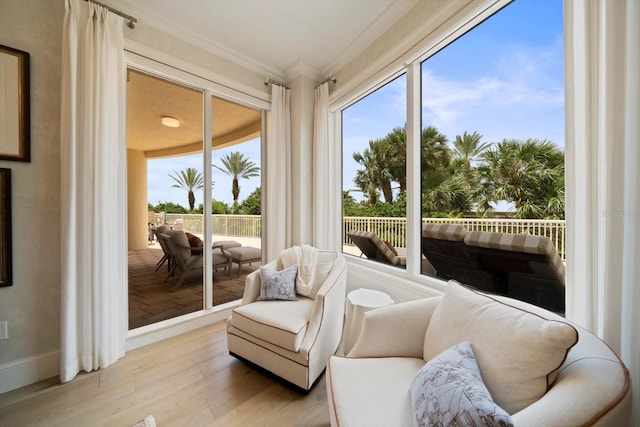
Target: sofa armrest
x=396 y=330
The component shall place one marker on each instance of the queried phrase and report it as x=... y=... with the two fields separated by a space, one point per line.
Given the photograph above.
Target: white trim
x=449 y=23
x=177 y=326
x=413 y=169
x=301 y=68
x=390 y=280
x=208 y=196
x=451 y=29
x=167 y=26
x=29 y=370
x=157 y=62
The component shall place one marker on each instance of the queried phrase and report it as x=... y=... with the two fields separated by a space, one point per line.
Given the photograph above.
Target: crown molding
x=167 y=26
x=301 y=68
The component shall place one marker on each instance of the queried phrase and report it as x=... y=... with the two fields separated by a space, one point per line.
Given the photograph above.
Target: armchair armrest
x=395 y=330
x=328 y=307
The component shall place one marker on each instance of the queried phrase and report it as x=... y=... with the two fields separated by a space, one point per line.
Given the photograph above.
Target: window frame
x=454 y=21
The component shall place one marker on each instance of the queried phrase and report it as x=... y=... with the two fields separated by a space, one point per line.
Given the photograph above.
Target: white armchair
x=292 y=339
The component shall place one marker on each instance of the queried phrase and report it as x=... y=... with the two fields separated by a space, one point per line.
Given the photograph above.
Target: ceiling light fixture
x=171 y=122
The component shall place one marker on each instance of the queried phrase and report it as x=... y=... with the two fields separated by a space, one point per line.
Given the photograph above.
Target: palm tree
x=189 y=179
x=467 y=147
x=376 y=172
x=237 y=166
x=528 y=173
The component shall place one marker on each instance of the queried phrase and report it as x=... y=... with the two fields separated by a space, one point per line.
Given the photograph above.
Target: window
x=491 y=129
x=374 y=175
x=175 y=156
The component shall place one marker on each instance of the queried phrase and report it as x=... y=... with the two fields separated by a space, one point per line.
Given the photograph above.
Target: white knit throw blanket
x=305 y=256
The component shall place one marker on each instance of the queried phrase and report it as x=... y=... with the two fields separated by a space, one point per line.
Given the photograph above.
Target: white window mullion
x=414 y=123
x=206 y=212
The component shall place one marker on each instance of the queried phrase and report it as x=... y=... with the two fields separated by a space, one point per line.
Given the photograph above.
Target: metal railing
x=393 y=230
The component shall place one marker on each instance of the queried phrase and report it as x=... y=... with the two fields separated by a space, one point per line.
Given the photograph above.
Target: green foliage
x=472 y=175
x=169 y=207
x=528 y=173
x=252 y=205
x=219 y=208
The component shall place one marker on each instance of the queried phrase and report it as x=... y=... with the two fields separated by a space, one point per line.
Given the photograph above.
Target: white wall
x=32 y=305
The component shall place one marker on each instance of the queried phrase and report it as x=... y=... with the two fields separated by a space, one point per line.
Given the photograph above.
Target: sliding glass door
x=194 y=204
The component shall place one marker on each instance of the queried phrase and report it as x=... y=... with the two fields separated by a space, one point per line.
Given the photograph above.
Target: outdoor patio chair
x=162 y=229
x=187 y=260
x=524 y=266
x=443 y=246
x=374 y=248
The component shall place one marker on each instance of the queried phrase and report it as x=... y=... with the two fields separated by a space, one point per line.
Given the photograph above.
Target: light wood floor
x=189 y=380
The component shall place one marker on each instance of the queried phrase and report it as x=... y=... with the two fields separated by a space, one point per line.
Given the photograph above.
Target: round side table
x=359 y=302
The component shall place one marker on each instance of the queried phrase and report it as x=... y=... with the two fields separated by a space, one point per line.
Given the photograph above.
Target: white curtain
x=325 y=174
x=603 y=183
x=93 y=168
x=278 y=174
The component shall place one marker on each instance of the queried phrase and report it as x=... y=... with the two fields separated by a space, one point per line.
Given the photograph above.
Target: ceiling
x=271 y=35
x=149 y=99
x=266 y=36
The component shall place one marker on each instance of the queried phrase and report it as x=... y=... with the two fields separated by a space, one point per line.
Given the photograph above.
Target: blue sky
x=503 y=79
x=159 y=183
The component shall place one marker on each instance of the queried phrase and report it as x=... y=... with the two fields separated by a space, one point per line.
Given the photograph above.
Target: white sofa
x=587 y=383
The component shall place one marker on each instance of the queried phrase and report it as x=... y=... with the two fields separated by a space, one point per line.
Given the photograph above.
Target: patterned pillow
x=278 y=284
x=449 y=391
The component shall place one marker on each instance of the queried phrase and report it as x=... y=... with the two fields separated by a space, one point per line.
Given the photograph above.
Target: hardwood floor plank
x=188 y=380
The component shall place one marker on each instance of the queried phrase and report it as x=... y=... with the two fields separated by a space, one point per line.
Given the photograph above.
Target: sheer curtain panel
x=325 y=174
x=602 y=48
x=93 y=239
x=278 y=176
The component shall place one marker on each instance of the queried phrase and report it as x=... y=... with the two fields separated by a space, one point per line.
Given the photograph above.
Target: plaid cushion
x=453 y=232
x=526 y=243
x=381 y=247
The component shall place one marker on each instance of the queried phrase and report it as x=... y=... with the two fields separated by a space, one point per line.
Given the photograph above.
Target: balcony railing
x=393 y=230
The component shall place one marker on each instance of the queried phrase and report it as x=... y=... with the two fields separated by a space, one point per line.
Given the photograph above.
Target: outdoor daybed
x=535 y=367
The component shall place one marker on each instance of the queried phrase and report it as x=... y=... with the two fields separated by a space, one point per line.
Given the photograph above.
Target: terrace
x=393 y=230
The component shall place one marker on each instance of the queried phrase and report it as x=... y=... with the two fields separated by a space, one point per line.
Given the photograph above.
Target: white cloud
x=522 y=84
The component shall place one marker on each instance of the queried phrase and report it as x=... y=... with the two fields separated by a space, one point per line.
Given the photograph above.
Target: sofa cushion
x=278 y=285
x=449 y=391
x=518 y=352
x=371 y=391
x=269 y=321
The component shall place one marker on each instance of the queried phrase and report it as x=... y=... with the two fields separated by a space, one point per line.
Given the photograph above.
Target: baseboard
x=22 y=372
x=172 y=327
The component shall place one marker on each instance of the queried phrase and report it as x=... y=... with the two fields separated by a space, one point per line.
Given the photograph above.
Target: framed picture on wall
x=6 y=259
x=15 y=139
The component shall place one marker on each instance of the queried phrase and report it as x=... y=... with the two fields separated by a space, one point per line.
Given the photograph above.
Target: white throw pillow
x=448 y=391
x=278 y=285
x=518 y=352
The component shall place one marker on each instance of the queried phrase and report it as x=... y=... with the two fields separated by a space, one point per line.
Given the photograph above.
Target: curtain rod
x=273 y=82
x=331 y=79
x=131 y=19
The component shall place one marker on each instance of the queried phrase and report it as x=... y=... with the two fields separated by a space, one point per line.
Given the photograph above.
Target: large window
x=491 y=149
x=374 y=175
